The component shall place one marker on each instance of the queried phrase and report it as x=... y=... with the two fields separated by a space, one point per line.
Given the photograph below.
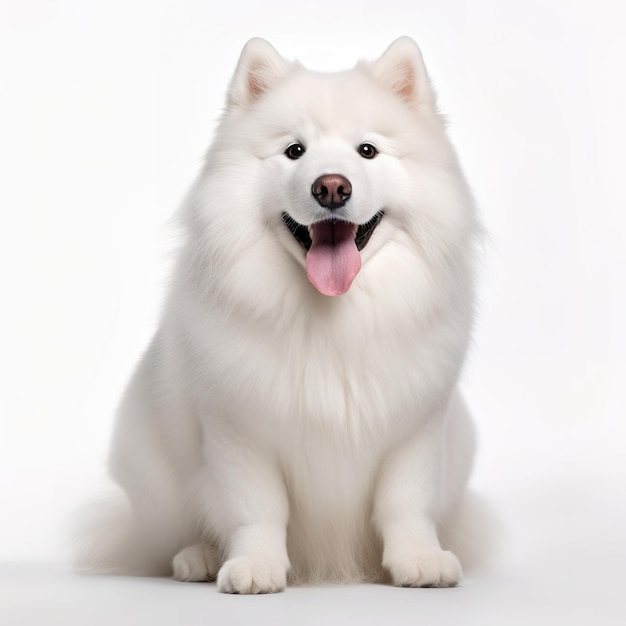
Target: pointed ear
x=401 y=69
x=260 y=67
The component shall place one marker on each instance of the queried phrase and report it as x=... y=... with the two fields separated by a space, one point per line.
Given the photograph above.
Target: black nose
x=331 y=190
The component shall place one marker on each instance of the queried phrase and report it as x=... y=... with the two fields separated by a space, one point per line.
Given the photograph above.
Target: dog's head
x=334 y=169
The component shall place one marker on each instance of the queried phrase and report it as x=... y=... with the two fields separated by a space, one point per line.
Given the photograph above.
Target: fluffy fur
x=273 y=431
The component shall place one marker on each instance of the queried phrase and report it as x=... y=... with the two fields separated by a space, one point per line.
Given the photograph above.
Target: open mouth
x=332 y=250
x=302 y=233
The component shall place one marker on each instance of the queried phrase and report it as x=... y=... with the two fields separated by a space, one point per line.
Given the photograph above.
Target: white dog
x=297 y=413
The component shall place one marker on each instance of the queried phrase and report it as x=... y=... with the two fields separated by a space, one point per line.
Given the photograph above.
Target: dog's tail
x=106 y=537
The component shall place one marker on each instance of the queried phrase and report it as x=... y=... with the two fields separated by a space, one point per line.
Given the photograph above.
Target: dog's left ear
x=401 y=68
x=260 y=67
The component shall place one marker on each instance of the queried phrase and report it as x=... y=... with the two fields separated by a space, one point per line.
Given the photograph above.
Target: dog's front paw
x=244 y=575
x=197 y=563
x=431 y=568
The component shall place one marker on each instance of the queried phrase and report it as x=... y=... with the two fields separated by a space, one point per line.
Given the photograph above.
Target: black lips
x=302 y=236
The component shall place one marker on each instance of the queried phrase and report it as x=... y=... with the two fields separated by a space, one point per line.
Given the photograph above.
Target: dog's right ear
x=260 y=67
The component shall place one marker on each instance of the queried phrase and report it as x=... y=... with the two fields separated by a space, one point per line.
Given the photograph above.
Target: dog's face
x=328 y=172
x=341 y=166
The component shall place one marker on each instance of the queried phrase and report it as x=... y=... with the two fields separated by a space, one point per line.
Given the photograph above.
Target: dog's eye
x=367 y=150
x=295 y=151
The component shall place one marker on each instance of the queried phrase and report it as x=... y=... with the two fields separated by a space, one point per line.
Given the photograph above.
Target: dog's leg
x=407 y=504
x=247 y=510
x=139 y=532
x=196 y=563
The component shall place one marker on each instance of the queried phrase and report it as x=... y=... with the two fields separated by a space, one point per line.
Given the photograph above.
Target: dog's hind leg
x=138 y=531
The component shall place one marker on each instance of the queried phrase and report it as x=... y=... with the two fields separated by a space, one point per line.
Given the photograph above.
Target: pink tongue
x=333 y=260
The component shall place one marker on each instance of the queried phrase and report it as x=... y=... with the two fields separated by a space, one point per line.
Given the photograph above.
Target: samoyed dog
x=296 y=417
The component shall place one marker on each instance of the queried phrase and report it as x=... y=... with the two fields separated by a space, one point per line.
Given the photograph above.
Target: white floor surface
x=47 y=595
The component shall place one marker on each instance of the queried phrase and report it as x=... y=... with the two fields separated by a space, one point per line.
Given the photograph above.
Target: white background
x=106 y=108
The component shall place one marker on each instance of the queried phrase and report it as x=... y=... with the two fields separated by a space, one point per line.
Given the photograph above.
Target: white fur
x=270 y=429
